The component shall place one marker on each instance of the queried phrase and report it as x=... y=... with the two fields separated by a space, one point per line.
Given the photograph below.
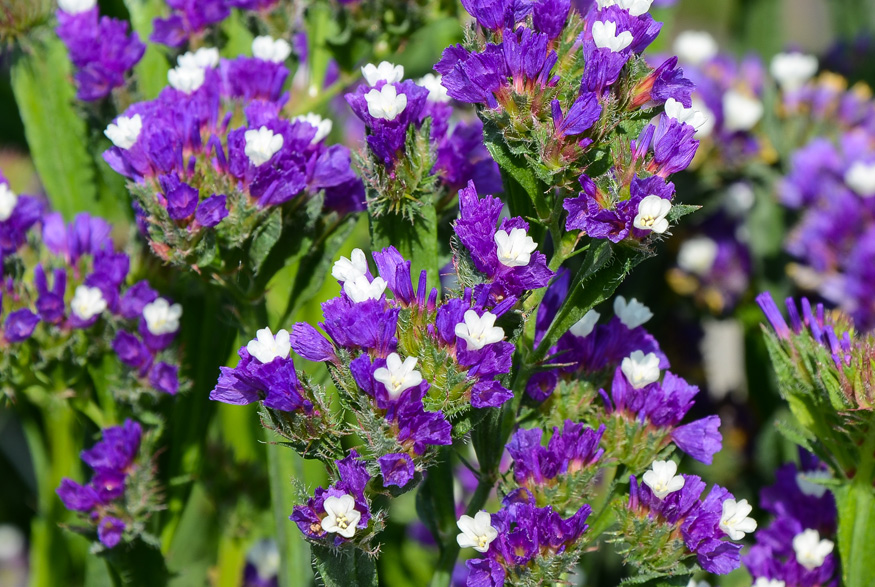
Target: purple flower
x=117 y=450
x=397 y=469
x=462 y=157
x=165 y=378
x=76 y=497
x=131 y=351
x=19 y=325
x=666 y=81
x=569 y=450
x=275 y=383
x=189 y=17
x=584 y=112
x=135 y=299
x=549 y=16
x=307 y=342
x=110 y=531
x=212 y=211
x=13 y=229
x=490 y=14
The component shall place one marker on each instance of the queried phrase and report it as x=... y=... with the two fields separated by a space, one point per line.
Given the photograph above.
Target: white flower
x=398 y=376
x=436 y=91
x=808 y=487
x=694 y=583
x=739 y=199
x=695 y=47
x=632 y=313
x=359 y=289
x=662 y=478
x=205 y=57
x=585 y=325
x=348 y=269
x=635 y=7
x=87 y=302
x=652 y=212
x=640 y=369
x=387 y=72
x=161 y=317
x=479 y=331
x=386 y=103
x=262 y=145
x=734 y=521
x=342 y=516
x=697 y=255
x=265 y=557
x=810 y=550
x=266 y=347
x=740 y=111
x=763 y=582
x=8 y=200
x=692 y=116
x=477 y=532
x=12 y=545
x=792 y=70
x=514 y=249
x=76 y=6
x=269 y=49
x=604 y=34
x=124 y=131
x=323 y=126
x=861 y=178
x=186 y=79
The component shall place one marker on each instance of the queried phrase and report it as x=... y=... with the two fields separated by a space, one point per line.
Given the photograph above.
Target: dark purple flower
x=117 y=450
x=276 y=383
x=700 y=439
x=490 y=14
x=131 y=351
x=211 y=211
x=76 y=497
x=569 y=450
x=189 y=17
x=309 y=343
x=549 y=16
x=110 y=531
x=666 y=81
x=19 y=325
x=13 y=230
x=584 y=112
x=135 y=299
x=397 y=469
x=182 y=199
x=165 y=378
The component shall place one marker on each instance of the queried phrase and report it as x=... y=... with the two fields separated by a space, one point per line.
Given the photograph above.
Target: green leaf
x=321 y=26
x=416 y=241
x=856 y=532
x=151 y=71
x=239 y=38
x=283 y=466
x=517 y=167
x=435 y=503
x=266 y=236
x=678 y=211
x=138 y=564
x=349 y=567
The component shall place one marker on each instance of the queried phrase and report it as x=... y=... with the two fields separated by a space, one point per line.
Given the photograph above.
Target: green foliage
x=347 y=567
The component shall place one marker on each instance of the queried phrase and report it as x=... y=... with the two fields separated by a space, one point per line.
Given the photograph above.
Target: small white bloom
x=12 y=544
x=479 y=331
x=652 y=212
x=342 y=516
x=76 y=6
x=763 y=582
x=205 y=57
x=792 y=70
x=514 y=249
x=269 y=49
x=125 y=131
x=162 y=317
x=585 y=325
x=323 y=126
x=348 y=269
x=810 y=550
x=634 y=7
x=477 y=532
x=266 y=347
x=87 y=302
x=861 y=178
x=694 y=583
x=8 y=200
x=741 y=112
x=359 y=289
x=262 y=145
x=734 y=521
x=809 y=487
x=739 y=199
x=436 y=91
x=632 y=313
x=186 y=79
x=695 y=47
x=697 y=255
x=265 y=557
x=398 y=376
x=662 y=478
x=640 y=369
x=604 y=34
x=691 y=116
x=386 y=103
x=386 y=72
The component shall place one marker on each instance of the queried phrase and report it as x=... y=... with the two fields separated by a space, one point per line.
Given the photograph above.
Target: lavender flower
x=188 y=19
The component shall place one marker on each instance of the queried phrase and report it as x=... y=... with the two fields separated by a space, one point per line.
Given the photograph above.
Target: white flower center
x=8 y=200
x=186 y=79
x=695 y=47
x=323 y=126
x=477 y=532
x=386 y=103
x=634 y=7
x=87 y=302
x=386 y=72
x=266 y=347
x=741 y=112
x=585 y=325
x=124 y=131
x=360 y=289
x=436 y=91
x=632 y=313
x=652 y=212
x=861 y=178
x=811 y=551
x=348 y=269
x=269 y=49
x=76 y=6
x=479 y=331
x=161 y=317
x=662 y=480
x=342 y=517
x=735 y=521
x=792 y=70
x=514 y=249
x=697 y=255
x=262 y=145
x=397 y=376
x=640 y=369
x=605 y=36
x=205 y=57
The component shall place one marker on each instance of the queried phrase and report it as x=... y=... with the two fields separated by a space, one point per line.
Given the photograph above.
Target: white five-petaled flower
x=662 y=478
x=359 y=289
x=269 y=49
x=385 y=72
x=348 y=269
x=861 y=178
x=342 y=516
x=695 y=47
x=810 y=550
x=741 y=112
x=162 y=317
x=764 y=582
x=205 y=57
x=386 y=103
x=479 y=331
x=477 y=532
x=652 y=212
x=514 y=249
x=186 y=79
x=632 y=313
x=640 y=369
x=735 y=521
x=323 y=126
x=792 y=70
x=809 y=487
x=697 y=255
x=76 y=6
x=692 y=116
x=87 y=302
x=266 y=347
x=436 y=90
x=262 y=145
x=585 y=325
x=8 y=200
x=605 y=36
x=634 y=7
x=397 y=376
x=124 y=131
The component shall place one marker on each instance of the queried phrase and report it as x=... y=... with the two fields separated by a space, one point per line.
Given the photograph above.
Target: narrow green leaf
x=518 y=168
x=138 y=564
x=435 y=504
x=239 y=38
x=856 y=532
x=151 y=71
x=283 y=466
x=349 y=567
x=415 y=240
x=266 y=236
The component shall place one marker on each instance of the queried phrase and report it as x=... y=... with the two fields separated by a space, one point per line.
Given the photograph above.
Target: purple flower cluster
x=189 y=19
x=101 y=49
x=18 y=214
x=112 y=460
x=569 y=451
